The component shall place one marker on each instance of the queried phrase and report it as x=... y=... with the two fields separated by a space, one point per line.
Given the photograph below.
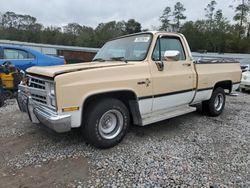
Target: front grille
x=37 y=83
x=39 y=98
x=39 y=90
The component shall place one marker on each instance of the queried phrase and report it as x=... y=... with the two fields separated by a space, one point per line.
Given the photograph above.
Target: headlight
x=52 y=89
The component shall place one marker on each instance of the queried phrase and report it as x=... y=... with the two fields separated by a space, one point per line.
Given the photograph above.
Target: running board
x=166 y=114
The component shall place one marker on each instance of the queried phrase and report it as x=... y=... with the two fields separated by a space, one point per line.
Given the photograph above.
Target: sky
x=93 y=12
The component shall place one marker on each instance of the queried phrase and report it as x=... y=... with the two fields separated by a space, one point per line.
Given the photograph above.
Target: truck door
x=174 y=81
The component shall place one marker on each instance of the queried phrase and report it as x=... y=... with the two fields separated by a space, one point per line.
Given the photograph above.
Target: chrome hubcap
x=218 y=103
x=111 y=124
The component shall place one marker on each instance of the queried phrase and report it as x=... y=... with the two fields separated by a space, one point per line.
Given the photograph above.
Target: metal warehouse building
x=72 y=54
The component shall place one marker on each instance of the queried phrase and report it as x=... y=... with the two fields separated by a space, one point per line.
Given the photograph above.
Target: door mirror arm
x=160 y=65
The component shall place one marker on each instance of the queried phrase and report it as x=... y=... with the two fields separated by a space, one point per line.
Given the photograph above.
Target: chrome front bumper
x=42 y=114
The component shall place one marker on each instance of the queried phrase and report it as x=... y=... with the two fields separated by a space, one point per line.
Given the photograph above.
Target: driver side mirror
x=172 y=55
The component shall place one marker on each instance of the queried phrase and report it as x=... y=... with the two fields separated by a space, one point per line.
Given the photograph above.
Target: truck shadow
x=167 y=129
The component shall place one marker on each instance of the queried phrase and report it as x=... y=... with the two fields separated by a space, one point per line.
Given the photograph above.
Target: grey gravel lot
x=188 y=151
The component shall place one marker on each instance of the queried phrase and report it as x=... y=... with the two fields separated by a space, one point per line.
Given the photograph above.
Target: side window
x=10 y=54
x=16 y=54
x=31 y=56
x=168 y=44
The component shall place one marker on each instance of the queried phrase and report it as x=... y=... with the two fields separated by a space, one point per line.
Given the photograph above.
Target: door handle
x=147 y=82
x=186 y=64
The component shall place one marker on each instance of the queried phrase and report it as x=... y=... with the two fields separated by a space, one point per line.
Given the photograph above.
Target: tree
x=25 y=28
x=72 y=28
x=220 y=31
x=178 y=14
x=210 y=9
x=194 y=35
x=220 y=22
x=213 y=34
x=17 y=21
x=86 y=37
x=165 y=19
x=132 y=26
x=241 y=16
x=210 y=12
x=107 y=31
x=53 y=35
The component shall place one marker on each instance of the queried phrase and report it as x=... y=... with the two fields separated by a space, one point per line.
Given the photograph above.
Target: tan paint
x=176 y=76
x=52 y=71
x=210 y=74
x=75 y=87
x=74 y=83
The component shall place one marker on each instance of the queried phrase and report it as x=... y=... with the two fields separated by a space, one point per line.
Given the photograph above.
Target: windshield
x=133 y=48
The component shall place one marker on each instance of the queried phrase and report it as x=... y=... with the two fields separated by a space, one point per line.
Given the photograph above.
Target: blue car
x=24 y=58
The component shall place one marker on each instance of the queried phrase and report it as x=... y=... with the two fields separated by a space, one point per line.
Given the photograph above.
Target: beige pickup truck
x=136 y=79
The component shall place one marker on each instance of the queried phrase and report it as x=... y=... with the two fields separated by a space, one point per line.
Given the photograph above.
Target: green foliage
x=195 y=34
x=241 y=17
x=25 y=28
x=214 y=33
x=210 y=11
x=165 y=19
x=131 y=26
x=178 y=15
x=172 y=21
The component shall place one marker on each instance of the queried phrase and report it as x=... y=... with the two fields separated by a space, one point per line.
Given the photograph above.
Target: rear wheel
x=215 y=105
x=105 y=123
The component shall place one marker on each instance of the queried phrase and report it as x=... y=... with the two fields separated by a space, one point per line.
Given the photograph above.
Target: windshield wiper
x=99 y=59
x=119 y=59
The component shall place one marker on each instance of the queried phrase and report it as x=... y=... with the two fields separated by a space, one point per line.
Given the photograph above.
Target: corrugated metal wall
x=72 y=54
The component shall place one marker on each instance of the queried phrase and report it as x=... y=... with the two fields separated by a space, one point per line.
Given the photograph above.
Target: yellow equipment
x=7 y=80
x=10 y=76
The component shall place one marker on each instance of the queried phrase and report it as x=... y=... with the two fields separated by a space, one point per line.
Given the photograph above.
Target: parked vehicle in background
x=24 y=58
x=141 y=78
x=245 y=67
x=245 y=81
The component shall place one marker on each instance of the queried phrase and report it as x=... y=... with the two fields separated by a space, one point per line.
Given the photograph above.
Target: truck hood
x=52 y=71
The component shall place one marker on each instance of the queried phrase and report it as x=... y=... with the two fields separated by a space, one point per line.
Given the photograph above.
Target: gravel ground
x=188 y=151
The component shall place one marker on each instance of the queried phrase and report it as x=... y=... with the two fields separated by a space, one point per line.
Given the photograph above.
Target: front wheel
x=105 y=123
x=215 y=105
x=1 y=100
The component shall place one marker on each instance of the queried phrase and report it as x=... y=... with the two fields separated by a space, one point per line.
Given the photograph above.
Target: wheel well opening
x=226 y=85
x=129 y=98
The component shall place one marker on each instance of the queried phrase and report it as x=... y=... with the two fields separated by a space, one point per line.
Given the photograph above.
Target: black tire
x=8 y=94
x=210 y=108
x=1 y=100
x=99 y=117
